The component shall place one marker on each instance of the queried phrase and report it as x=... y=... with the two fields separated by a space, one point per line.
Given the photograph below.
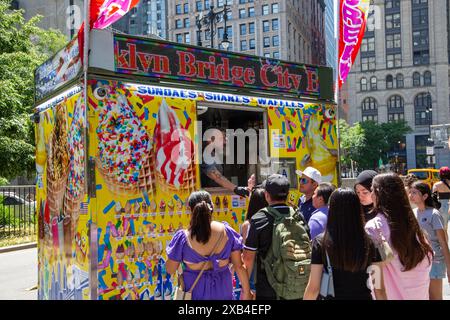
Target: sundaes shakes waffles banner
x=103 y=13
x=352 y=25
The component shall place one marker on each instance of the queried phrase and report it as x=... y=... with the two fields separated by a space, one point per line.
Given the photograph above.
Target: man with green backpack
x=278 y=237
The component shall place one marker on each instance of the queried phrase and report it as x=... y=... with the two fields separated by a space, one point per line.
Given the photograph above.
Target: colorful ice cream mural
x=142 y=140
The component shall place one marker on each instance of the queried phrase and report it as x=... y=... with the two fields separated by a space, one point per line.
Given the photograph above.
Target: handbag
x=383 y=247
x=327 y=284
x=180 y=293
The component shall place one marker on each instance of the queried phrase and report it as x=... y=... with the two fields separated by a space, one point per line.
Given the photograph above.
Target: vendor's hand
x=241 y=191
x=246 y=295
x=251 y=182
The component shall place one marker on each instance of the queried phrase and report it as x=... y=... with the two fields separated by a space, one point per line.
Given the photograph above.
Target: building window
x=266 y=42
x=220 y=32
x=242 y=13
x=251 y=12
x=265 y=10
x=274 y=24
x=274 y=7
x=369 y=110
x=421 y=57
x=187 y=23
x=187 y=37
x=242 y=29
x=243 y=45
x=368 y=63
x=420 y=38
x=391 y=4
x=266 y=27
x=199 y=5
x=416 y=79
x=206 y=4
x=219 y=3
x=186 y=8
x=252 y=44
x=178 y=9
x=395 y=108
x=399 y=80
x=368 y=44
x=178 y=24
x=275 y=41
x=416 y=2
x=251 y=28
x=242 y=1
x=395 y=102
x=369 y=104
x=422 y=109
x=389 y=81
x=393 y=41
x=394 y=60
x=420 y=17
x=276 y=55
x=266 y=55
x=363 y=84
x=179 y=38
x=373 y=83
x=392 y=21
x=427 y=78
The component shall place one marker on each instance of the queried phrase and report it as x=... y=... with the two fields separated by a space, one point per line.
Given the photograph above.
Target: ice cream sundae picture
x=174 y=150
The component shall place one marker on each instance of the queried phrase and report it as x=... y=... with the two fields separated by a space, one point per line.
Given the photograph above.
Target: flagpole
x=337 y=91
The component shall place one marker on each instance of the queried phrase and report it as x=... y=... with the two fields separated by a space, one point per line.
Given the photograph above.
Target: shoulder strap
x=445 y=182
x=206 y=262
x=329 y=267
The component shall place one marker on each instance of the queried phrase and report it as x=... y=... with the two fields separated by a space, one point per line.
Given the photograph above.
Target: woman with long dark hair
x=431 y=221
x=406 y=275
x=209 y=246
x=442 y=188
x=349 y=249
x=363 y=187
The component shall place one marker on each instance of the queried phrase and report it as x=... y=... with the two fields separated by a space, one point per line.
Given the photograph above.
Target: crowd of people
x=385 y=239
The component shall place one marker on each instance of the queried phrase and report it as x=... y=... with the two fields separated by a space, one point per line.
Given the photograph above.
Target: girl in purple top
x=193 y=247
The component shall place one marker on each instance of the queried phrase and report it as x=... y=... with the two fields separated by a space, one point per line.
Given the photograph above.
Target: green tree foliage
x=367 y=142
x=23 y=47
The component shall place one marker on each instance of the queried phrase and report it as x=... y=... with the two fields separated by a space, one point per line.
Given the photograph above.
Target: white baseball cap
x=311 y=173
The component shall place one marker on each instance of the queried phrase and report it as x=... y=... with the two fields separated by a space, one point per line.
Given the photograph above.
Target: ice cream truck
x=119 y=152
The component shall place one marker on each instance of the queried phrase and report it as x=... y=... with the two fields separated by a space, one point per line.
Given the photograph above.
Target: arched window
x=399 y=81
x=369 y=109
x=423 y=109
x=373 y=83
x=416 y=79
x=363 y=84
x=427 y=78
x=395 y=106
x=389 y=81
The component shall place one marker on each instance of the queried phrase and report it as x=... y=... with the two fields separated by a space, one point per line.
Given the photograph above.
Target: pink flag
x=352 y=25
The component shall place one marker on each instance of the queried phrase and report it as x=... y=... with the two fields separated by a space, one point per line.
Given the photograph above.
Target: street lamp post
x=210 y=20
x=429 y=112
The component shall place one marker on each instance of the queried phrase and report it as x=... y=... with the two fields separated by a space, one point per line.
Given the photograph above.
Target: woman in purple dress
x=210 y=245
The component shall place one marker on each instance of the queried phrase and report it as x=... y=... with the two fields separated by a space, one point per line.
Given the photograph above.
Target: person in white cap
x=309 y=180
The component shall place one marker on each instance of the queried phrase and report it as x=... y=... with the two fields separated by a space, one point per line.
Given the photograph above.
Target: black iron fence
x=18 y=216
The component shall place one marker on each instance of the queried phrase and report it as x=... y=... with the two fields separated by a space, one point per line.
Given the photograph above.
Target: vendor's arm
x=218 y=178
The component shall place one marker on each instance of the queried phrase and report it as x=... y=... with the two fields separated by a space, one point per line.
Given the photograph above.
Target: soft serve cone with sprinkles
x=175 y=170
x=124 y=148
x=76 y=179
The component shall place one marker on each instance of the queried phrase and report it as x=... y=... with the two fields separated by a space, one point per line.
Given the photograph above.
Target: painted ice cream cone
x=76 y=178
x=58 y=162
x=125 y=158
x=175 y=169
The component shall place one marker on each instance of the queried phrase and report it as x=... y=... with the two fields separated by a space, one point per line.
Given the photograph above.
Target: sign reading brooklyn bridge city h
x=161 y=59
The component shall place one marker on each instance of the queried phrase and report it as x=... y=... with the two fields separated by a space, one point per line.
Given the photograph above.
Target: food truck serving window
x=234 y=142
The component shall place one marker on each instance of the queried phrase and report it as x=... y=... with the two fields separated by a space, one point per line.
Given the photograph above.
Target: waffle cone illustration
x=188 y=186
x=58 y=162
